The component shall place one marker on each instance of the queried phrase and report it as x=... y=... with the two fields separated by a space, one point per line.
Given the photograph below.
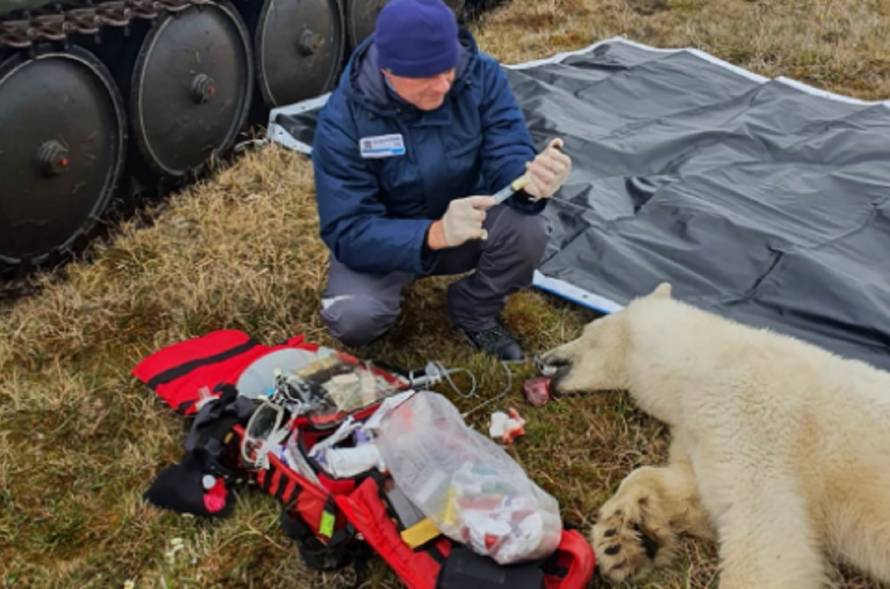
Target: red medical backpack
x=335 y=520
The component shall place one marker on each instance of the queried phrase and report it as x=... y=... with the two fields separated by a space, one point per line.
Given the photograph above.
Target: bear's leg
x=767 y=540
x=859 y=529
x=637 y=529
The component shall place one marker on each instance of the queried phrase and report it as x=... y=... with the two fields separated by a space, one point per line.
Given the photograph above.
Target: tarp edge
x=574 y=294
x=277 y=133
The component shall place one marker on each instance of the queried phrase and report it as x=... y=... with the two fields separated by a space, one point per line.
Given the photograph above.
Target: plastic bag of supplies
x=469 y=486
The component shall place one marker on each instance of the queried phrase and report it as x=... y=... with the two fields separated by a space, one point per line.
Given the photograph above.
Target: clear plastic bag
x=469 y=486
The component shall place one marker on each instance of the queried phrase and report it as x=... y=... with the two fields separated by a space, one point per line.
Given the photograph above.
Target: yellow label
x=449 y=516
x=420 y=533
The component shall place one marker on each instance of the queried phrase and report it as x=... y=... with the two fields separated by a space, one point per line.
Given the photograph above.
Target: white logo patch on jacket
x=382 y=146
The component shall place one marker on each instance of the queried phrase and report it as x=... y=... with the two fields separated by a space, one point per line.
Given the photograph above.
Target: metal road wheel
x=191 y=87
x=360 y=18
x=299 y=47
x=62 y=147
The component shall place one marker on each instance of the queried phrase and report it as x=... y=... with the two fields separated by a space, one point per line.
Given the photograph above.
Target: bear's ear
x=662 y=291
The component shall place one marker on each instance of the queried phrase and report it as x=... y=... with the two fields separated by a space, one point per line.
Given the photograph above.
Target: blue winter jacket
x=375 y=211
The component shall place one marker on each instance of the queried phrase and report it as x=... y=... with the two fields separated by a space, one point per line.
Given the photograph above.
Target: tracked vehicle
x=101 y=98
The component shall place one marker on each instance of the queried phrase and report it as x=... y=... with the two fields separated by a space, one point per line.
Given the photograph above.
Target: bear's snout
x=552 y=365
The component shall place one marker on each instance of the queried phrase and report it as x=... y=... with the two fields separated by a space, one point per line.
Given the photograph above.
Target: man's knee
x=357 y=319
x=526 y=235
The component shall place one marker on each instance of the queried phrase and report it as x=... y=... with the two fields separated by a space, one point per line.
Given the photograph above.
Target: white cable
x=455 y=388
x=434 y=373
x=497 y=397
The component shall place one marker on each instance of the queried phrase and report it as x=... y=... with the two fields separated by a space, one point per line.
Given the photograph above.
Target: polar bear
x=780 y=450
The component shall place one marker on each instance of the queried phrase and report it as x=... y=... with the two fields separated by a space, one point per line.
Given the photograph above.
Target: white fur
x=778 y=446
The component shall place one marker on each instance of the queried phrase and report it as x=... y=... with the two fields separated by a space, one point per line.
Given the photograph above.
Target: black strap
x=283 y=483
x=554 y=570
x=178 y=371
x=344 y=534
x=436 y=553
x=292 y=524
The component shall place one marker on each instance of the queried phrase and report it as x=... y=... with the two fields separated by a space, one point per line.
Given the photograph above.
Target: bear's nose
x=550 y=365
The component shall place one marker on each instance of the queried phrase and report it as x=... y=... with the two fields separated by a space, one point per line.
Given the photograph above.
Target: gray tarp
x=762 y=200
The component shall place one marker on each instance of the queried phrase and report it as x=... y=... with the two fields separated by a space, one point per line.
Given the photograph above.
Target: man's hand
x=548 y=171
x=461 y=223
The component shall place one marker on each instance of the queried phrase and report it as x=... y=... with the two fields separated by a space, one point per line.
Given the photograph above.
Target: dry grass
x=80 y=440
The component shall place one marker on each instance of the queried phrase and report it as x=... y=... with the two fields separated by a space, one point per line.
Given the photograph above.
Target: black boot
x=496 y=341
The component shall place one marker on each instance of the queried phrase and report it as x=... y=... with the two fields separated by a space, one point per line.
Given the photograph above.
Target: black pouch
x=464 y=569
x=342 y=550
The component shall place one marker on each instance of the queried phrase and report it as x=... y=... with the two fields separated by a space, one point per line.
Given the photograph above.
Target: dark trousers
x=358 y=307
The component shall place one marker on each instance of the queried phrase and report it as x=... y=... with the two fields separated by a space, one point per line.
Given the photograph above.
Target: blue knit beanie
x=416 y=38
